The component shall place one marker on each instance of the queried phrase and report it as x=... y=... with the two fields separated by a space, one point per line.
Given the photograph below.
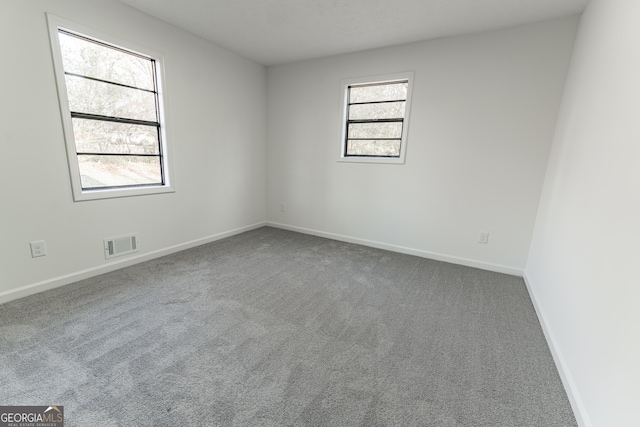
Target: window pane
x=96 y=136
x=384 y=92
x=391 y=110
x=90 y=59
x=373 y=148
x=111 y=171
x=375 y=130
x=89 y=96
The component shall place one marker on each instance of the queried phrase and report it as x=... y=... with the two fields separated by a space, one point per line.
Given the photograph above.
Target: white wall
x=583 y=266
x=216 y=121
x=483 y=115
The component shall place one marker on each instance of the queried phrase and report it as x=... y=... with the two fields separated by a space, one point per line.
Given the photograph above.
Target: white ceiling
x=278 y=31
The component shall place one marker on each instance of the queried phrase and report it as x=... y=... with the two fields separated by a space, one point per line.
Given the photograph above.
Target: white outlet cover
x=38 y=249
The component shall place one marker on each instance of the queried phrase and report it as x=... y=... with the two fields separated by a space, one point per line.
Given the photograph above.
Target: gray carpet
x=274 y=328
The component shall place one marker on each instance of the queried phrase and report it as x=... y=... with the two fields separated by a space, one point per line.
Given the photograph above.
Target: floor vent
x=121 y=245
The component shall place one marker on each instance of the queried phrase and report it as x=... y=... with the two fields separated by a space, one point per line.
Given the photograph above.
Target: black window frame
x=401 y=120
x=121 y=120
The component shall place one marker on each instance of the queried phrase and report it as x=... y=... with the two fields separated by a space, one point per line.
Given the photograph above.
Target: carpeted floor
x=274 y=328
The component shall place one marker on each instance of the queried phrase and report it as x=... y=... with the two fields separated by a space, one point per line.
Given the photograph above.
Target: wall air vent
x=120 y=245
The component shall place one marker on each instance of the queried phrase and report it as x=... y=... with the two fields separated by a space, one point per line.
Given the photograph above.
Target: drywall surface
x=216 y=124
x=583 y=265
x=482 y=121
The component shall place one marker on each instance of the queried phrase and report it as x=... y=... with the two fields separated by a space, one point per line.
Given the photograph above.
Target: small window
x=111 y=107
x=376 y=113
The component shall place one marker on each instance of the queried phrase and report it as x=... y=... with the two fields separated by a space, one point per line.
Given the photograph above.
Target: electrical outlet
x=484 y=237
x=38 y=249
x=281 y=207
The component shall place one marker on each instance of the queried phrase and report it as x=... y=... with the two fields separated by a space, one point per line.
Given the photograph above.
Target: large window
x=376 y=112
x=111 y=105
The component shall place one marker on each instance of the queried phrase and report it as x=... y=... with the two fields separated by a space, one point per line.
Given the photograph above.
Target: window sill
x=377 y=160
x=120 y=192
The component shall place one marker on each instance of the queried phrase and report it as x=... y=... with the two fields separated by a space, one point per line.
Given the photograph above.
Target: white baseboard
x=514 y=271
x=565 y=375
x=45 y=285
